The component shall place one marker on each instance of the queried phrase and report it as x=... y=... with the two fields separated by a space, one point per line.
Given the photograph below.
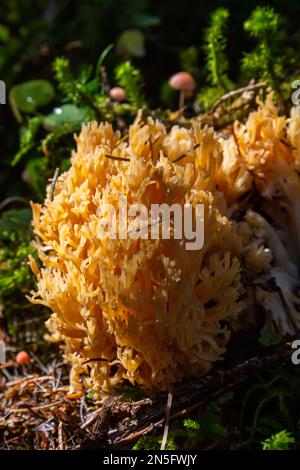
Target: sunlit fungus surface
x=148 y=310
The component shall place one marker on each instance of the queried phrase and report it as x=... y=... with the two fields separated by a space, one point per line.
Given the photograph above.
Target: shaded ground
x=39 y=412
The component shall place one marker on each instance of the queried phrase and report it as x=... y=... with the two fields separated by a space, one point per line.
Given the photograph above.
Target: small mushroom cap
x=117 y=93
x=182 y=81
x=22 y=357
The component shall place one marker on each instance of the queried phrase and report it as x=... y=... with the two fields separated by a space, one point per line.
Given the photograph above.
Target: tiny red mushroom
x=22 y=358
x=183 y=82
x=117 y=93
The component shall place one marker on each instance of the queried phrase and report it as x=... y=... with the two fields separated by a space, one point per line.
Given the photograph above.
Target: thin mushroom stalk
x=181 y=99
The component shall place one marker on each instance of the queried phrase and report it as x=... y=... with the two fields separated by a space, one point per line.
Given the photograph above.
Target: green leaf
x=269 y=338
x=131 y=43
x=15 y=220
x=29 y=96
x=85 y=73
x=102 y=58
x=142 y=20
x=67 y=113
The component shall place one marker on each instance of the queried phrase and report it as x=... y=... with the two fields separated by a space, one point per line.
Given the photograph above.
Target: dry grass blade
x=53 y=183
x=119 y=159
x=167 y=421
x=184 y=155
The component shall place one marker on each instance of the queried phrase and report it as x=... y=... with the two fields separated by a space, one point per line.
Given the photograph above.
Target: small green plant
x=271 y=402
x=46 y=140
x=269 y=338
x=271 y=60
x=82 y=90
x=283 y=440
x=130 y=78
x=192 y=433
x=263 y=62
x=215 y=44
x=150 y=442
x=27 y=138
x=16 y=278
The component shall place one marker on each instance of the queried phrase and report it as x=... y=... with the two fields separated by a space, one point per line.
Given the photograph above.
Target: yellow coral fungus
x=148 y=310
x=260 y=174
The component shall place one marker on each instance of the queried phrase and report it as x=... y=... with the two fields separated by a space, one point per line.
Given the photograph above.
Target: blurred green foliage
x=15 y=275
x=283 y=440
x=217 y=64
x=223 y=44
x=130 y=78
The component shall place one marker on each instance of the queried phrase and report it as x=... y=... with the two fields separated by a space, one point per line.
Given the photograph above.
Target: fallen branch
x=13 y=200
x=233 y=93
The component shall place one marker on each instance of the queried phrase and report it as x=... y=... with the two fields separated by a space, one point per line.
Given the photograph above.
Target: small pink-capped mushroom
x=183 y=82
x=22 y=358
x=117 y=93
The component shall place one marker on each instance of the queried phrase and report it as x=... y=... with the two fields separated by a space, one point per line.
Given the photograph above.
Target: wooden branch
x=233 y=93
x=13 y=200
